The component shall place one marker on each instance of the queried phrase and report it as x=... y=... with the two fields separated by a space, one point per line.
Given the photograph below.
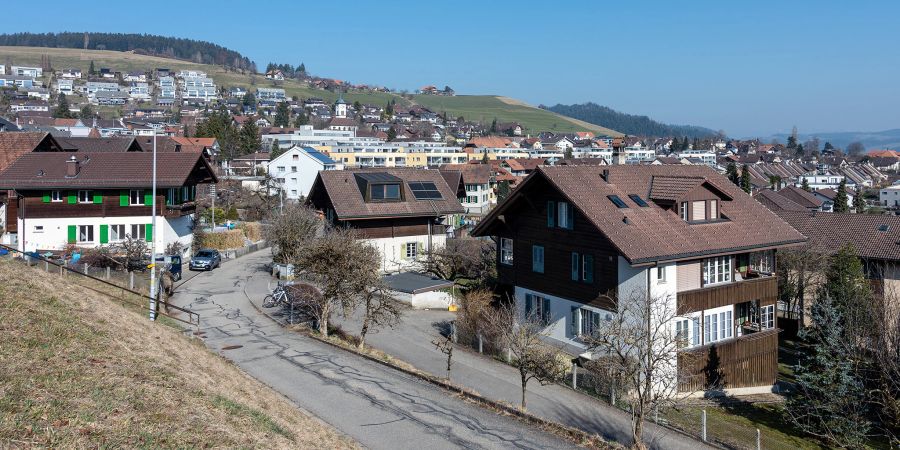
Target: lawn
x=80 y=370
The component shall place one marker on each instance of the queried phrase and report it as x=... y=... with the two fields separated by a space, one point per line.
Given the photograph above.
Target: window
x=617 y=201
x=767 y=317
x=660 y=274
x=537 y=258
x=560 y=214
x=589 y=323
x=687 y=331
x=85 y=197
x=537 y=306
x=56 y=196
x=385 y=192
x=698 y=210
x=293 y=168
x=296 y=157
x=135 y=197
x=116 y=233
x=763 y=262
x=638 y=200
x=425 y=190
x=684 y=211
x=293 y=192
x=713 y=209
x=717 y=326
x=138 y=231
x=471 y=199
x=280 y=168
x=717 y=270
x=85 y=233
x=506 y=251
x=412 y=250
x=582 y=267
x=38 y=228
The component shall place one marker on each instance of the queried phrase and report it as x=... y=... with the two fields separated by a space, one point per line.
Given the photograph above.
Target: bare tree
x=640 y=347
x=342 y=267
x=522 y=336
x=445 y=346
x=134 y=250
x=379 y=310
x=799 y=271
x=855 y=148
x=289 y=232
x=464 y=259
x=472 y=318
x=886 y=351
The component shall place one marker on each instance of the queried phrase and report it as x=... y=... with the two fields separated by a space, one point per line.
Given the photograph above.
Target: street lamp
x=153 y=287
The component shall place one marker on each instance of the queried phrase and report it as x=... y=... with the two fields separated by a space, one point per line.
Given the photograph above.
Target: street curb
x=573 y=435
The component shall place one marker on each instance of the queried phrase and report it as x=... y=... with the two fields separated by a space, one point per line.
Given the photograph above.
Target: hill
x=483 y=107
x=79 y=370
x=628 y=123
x=186 y=49
x=871 y=140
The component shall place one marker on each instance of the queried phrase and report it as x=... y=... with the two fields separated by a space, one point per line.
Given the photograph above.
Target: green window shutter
x=149 y=228
x=551 y=214
x=588 y=268
x=123 y=198
x=73 y=234
x=104 y=234
x=98 y=198
x=576 y=271
x=73 y=197
x=46 y=197
x=148 y=198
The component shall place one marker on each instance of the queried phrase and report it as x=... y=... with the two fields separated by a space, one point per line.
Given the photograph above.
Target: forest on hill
x=200 y=52
x=630 y=124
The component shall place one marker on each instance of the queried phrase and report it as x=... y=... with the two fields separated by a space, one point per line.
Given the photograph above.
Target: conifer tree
x=91 y=70
x=841 y=204
x=391 y=134
x=732 y=174
x=805 y=185
x=301 y=119
x=62 y=107
x=248 y=138
x=859 y=202
x=282 y=115
x=745 y=179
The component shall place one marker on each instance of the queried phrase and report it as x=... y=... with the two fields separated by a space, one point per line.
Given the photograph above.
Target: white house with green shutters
x=102 y=198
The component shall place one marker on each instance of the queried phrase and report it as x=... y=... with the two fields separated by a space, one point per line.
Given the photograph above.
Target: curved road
x=379 y=407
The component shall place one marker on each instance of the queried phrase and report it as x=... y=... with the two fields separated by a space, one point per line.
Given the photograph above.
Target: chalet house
x=575 y=241
x=296 y=169
x=522 y=167
x=401 y=211
x=91 y=199
x=477 y=185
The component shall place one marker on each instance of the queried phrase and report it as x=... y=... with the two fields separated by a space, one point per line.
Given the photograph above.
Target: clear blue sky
x=750 y=67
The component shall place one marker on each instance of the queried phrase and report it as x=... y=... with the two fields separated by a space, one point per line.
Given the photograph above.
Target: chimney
x=618 y=154
x=72 y=167
x=605 y=175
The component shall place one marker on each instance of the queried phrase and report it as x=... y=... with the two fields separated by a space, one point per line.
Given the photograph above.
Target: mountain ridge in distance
x=630 y=124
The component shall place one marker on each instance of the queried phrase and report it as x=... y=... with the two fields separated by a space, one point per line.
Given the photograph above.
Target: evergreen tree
x=86 y=113
x=62 y=107
x=301 y=119
x=389 y=109
x=745 y=179
x=249 y=99
x=805 y=185
x=799 y=150
x=494 y=126
x=732 y=174
x=282 y=115
x=841 y=204
x=859 y=202
x=391 y=134
x=276 y=150
x=357 y=106
x=791 y=142
x=828 y=146
x=484 y=157
x=685 y=144
x=302 y=69
x=249 y=137
x=91 y=70
x=568 y=153
x=502 y=190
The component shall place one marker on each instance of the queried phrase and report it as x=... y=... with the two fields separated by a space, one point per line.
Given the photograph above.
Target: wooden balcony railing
x=763 y=289
x=747 y=361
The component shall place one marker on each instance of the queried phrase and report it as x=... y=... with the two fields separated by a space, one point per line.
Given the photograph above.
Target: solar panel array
x=424 y=190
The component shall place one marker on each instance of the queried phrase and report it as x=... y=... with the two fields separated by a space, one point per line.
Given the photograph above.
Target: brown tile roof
x=490 y=141
x=829 y=232
x=43 y=170
x=524 y=163
x=471 y=173
x=107 y=144
x=801 y=197
x=349 y=204
x=777 y=202
x=673 y=188
x=647 y=234
x=15 y=144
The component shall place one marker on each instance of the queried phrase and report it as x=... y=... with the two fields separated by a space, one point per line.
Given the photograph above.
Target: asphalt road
x=379 y=407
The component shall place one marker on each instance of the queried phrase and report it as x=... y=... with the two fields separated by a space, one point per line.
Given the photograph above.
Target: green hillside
x=473 y=107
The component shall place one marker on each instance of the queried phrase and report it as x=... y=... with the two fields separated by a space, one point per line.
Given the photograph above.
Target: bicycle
x=278 y=295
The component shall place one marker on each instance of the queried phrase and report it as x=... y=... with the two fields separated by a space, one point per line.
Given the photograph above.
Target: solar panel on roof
x=424 y=190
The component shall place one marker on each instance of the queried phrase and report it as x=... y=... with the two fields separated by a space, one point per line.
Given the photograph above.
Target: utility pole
x=153 y=287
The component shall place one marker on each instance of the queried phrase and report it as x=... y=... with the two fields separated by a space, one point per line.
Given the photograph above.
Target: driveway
x=379 y=407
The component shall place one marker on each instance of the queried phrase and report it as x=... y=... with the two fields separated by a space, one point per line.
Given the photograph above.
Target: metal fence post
x=131 y=280
x=86 y=266
x=47 y=266
x=107 y=272
x=574 y=376
x=758 y=440
x=612 y=394
x=480 y=344
x=703 y=427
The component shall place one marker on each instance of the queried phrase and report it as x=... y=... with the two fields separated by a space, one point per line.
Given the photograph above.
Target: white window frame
x=86 y=231
x=718 y=324
x=56 y=196
x=135 y=199
x=585 y=317
x=119 y=231
x=713 y=209
x=562 y=215
x=689 y=328
x=506 y=251
x=717 y=270
x=763 y=262
x=138 y=231
x=767 y=317
x=684 y=212
x=88 y=198
x=660 y=274
x=414 y=252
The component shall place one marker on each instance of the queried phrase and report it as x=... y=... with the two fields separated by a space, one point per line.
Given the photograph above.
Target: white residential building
x=23 y=71
x=890 y=196
x=270 y=94
x=295 y=170
x=65 y=86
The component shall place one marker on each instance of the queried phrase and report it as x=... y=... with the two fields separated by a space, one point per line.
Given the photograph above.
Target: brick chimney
x=72 y=167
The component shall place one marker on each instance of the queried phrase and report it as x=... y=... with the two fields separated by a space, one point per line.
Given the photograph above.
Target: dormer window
x=385 y=192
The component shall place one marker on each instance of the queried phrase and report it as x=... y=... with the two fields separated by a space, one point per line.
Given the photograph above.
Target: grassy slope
x=78 y=370
x=481 y=107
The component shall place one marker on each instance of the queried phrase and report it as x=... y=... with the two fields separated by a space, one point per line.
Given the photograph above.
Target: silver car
x=205 y=259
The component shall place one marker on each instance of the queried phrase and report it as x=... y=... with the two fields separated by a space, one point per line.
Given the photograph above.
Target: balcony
x=746 y=361
x=181 y=209
x=727 y=294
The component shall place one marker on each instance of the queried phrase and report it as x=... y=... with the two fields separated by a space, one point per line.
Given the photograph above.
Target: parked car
x=205 y=259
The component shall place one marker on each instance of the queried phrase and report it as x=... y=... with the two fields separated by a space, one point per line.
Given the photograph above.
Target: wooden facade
x=395 y=227
x=747 y=361
x=763 y=289
x=33 y=205
x=526 y=224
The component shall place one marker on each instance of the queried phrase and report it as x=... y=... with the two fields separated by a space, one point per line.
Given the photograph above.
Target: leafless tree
x=472 y=318
x=855 y=148
x=464 y=259
x=342 y=267
x=379 y=310
x=289 y=233
x=799 y=271
x=886 y=352
x=134 y=250
x=522 y=336
x=640 y=347
x=445 y=346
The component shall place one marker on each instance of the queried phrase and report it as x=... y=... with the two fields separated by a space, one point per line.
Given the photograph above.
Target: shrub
x=99 y=257
x=252 y=230
x=224 y=240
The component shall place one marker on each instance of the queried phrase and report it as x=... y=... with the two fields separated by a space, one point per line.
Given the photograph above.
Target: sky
x=751 y=68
